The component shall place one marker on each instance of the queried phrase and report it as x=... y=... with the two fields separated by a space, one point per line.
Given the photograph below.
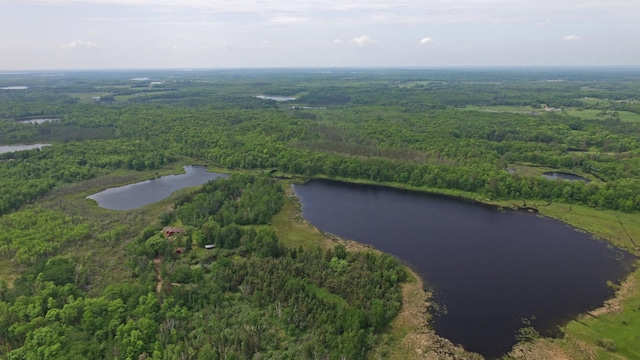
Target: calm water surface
x=14 y=88
x=149 y=191
x=489 y=269
x=556 y=175
x=12 y=148
x=275 y=97
x=37 y=121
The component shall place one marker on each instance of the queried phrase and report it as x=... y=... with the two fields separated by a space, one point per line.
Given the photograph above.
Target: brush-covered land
x=79 y=281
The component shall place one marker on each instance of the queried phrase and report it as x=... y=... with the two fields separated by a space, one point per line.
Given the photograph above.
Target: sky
x=148 y=34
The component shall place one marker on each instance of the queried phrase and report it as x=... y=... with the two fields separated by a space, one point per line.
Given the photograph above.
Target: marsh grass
x=292 y=229
x=620 y=229
x=616 y=332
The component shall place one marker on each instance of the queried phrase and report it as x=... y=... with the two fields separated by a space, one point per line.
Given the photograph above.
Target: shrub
x=607 y=344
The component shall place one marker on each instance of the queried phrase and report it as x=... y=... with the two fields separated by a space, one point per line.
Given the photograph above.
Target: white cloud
x=363 y=40
x=426 y=40
x=81 y=45
x=222 y=45
x=128 y=30
x=489 y=10
x=284 y=20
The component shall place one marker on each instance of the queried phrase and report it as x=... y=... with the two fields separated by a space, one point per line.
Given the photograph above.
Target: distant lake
x=488 y=269
x=14 y=88
x=147 y=192
x=37 y=121
x=140 y=79
x=12 y=148
x=557 y=175
x=275 y=97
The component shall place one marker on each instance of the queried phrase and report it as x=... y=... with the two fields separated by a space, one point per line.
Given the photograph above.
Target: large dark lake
x=149 y=191
x=488 y=269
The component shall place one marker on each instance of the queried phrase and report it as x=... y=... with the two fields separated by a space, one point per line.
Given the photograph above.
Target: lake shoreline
x=142 y=193
x=411 y=335
x=502 y=206
x=539 y=207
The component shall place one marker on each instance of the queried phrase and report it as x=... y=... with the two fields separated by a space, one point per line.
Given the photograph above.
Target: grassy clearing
x=597 y=114
x=528 y=170
x=327 y=296
x=581 y=113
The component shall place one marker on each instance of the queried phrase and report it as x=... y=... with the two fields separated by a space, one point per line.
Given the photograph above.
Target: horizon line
x=433 y=67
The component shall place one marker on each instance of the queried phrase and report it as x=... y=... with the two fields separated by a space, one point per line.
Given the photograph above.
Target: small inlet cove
x=492 y=272
x=12 y=148
x=557 y=175
x=147 y=192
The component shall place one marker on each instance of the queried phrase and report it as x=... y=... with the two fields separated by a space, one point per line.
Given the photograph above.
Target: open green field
x=597 y=114
x=581 y=113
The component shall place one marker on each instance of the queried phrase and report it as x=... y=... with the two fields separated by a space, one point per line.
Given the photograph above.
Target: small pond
x=149 y=191
x=275 y=97
x=491 y=271
x=12 y=148
x=557 y=175
x=37 y=121
x=14 y=88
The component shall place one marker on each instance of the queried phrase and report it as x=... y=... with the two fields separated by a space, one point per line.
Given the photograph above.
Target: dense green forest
x=249 y=296
x=424 y=129
x=484 y=134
